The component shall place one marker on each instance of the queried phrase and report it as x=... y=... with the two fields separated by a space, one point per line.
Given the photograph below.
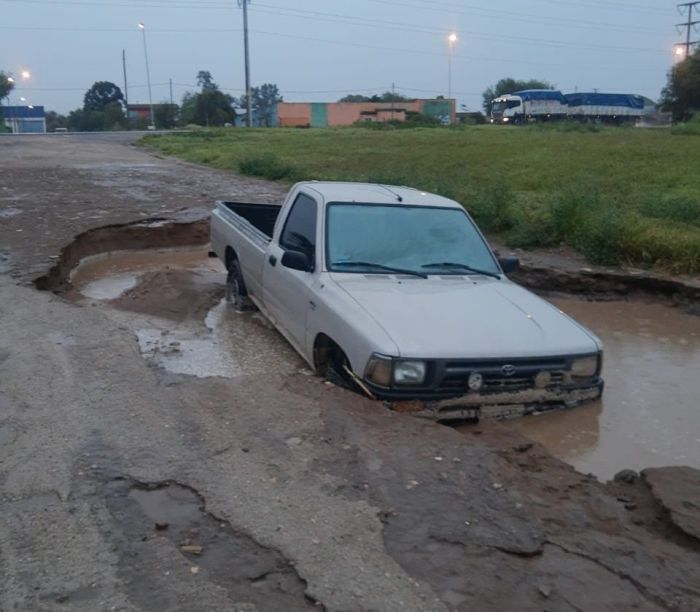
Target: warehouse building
x=24 y=119
x=330 y=114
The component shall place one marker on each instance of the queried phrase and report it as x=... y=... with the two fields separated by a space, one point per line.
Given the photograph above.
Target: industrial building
x=24 y=119
x=329 y=114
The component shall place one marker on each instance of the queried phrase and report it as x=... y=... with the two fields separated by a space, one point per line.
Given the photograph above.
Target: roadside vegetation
x=617 y=195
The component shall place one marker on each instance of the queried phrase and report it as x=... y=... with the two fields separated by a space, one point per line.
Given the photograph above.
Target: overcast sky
x=322 y=49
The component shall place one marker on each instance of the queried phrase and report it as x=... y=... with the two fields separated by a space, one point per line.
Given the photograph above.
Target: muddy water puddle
x=650 y=412
x=108 y=276
x=172 y=300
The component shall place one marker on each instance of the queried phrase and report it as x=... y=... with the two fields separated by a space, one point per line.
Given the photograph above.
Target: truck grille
x=455 y=376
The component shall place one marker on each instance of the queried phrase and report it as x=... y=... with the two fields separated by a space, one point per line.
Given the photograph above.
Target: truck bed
x=260 y=216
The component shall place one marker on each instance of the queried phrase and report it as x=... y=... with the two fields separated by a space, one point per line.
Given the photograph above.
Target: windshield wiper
x=369 y=264
x=459 y=266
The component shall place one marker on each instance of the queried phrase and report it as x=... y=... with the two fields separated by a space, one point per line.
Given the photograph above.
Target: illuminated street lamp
x=26 y=75
x=679 y=51
x=451 y=41
x=142 y=27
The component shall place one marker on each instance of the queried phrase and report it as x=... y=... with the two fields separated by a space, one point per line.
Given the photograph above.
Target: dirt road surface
x=125 y=486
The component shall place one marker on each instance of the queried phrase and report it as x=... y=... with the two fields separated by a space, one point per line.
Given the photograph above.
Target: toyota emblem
x=508 y=370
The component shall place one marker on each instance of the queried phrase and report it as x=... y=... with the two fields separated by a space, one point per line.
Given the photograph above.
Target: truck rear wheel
x=236 y=292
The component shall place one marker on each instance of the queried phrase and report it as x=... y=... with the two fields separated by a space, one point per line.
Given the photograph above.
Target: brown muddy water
x=649 y=414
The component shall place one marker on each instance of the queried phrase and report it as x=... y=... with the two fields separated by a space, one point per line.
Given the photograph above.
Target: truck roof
x=375 y=193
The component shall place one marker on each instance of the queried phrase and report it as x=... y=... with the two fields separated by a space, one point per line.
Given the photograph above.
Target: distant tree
x=6 y=85
x=354 y=98
x=681 y=96
x=387 y=96
x=166 y=115
x=113 y=117
x=110 y=118
x=264 y=100
x=81 y=120
x=213 y=107
x=55 y=120
x=187 y=106
x=205 y=81
x=508 y=86
x=100 y=95
x=209 y=107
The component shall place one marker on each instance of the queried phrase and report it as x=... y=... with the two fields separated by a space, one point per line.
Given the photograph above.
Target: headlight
x=506 y=119
x=409 y=372
x=585 y=367
x=379 y=370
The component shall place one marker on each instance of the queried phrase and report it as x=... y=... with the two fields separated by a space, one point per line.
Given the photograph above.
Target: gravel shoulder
x=125 y=487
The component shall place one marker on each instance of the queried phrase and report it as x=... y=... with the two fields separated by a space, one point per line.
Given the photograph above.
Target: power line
x=490 y=13
x=690 y=24
x=363 y=21
x=402 y=26
x=414 y=51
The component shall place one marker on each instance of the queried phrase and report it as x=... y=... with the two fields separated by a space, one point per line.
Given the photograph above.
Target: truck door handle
x=273 y=260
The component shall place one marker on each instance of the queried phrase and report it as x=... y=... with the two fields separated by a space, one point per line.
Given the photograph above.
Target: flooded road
x=650 y=412
x=649 y=415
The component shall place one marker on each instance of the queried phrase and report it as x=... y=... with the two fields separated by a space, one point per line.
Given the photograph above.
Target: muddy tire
x=236 y=292
x=334 y=371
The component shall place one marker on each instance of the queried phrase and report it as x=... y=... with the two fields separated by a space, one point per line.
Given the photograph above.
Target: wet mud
x=147 y=234
x=255 y=577
x=173 y=302
x=609 y=284
x=490 y=525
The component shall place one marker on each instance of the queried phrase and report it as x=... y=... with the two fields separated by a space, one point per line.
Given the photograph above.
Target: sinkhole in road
x=172 y=300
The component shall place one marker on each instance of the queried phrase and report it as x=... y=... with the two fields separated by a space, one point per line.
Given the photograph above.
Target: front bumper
x=502 y=405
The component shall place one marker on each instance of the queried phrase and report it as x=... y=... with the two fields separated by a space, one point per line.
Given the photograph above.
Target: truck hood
x=460 y=317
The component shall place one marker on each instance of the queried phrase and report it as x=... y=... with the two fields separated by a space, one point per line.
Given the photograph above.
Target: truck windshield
x=420 y=239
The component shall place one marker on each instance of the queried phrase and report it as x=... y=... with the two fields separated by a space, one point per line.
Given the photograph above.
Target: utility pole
x=688 y=25
x=393 y=99
x=249 y=102
x=171 y=90
x=126 y=87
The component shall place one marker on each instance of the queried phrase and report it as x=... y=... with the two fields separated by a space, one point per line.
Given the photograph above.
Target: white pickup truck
x=395 y=291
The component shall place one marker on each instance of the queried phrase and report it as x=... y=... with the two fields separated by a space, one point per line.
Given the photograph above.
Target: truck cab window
x=299 y=233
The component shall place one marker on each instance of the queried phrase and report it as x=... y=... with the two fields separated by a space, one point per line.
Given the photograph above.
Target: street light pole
x=142 y=27
x=451 y=40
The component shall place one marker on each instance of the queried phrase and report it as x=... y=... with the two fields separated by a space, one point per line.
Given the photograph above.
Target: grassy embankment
x=617 y=195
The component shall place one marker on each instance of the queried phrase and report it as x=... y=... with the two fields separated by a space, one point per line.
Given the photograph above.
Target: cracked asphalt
x=125 y=487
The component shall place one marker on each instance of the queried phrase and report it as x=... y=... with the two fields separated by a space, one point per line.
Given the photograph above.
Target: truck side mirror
x=509 y=264
x=296 y=260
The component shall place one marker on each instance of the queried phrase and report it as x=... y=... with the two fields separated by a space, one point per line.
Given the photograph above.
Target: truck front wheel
x=236 y=292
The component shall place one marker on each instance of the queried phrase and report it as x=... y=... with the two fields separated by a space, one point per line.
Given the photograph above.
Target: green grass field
x=617 y=195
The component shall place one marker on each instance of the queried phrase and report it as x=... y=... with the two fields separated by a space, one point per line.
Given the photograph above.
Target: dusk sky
x=323 y=49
